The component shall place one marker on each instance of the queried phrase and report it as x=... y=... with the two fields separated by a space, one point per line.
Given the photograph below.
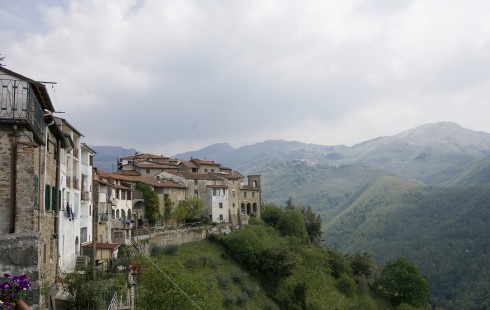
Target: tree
x=313 y=225
x=1 y=59
x=291 y=223
x=270 y=213
x=189 y=210
x=83 y=292
x=361 y=265
x=402 y=282
x=168 y=206
x=152 y=204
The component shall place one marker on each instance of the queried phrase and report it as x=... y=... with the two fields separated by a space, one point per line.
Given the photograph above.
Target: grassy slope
x=205 y=271
x=202 y=271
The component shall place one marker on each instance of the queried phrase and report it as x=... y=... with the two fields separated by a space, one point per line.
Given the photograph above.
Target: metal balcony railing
x=19 y=104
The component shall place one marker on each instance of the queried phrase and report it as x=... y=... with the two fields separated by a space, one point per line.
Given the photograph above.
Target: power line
x=158 y=268
x=166 y=276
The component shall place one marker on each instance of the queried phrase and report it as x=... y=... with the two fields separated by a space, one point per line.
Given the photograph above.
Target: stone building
x=30 y=146
x=226 y=196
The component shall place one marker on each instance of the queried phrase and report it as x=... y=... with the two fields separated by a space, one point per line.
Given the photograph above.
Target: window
x=196 y=192
x=117 y=194
x=233 y=193
x=206 y=170
x=83 y=234
x=47 y=197
x=212 y=170
x=253 y=194
x=147 y=171
x=233 y=205
x=221 y=217
x=195 y=182
x=244 y=194
x=221 y=205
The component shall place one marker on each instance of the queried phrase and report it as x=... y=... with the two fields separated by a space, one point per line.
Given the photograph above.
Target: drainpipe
x=13 y=181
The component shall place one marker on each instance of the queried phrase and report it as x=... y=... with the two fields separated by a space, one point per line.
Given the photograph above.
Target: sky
x=166 y=77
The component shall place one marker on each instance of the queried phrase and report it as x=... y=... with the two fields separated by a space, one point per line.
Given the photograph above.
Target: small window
x=196 y=192
x=233 y=193
x=212 y=170
x=221 y=205
x=47 y=197
x=253 y=194
x=195 y=182
x=147 y=171
x=233 y=205
x=221 y=217
x=206 y=170
x=244 y=194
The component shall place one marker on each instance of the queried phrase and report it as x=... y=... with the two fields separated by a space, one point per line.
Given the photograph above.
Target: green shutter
x=54 y=206
x=47 y=197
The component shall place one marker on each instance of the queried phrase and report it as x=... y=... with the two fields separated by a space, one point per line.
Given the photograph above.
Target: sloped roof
x=100 y=245
x=160 y=182
x=145 y=156
x=189 y=164
x=205 y=162
x=233 y=175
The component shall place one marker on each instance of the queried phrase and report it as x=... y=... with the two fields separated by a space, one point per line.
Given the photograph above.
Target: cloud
x=177 y=75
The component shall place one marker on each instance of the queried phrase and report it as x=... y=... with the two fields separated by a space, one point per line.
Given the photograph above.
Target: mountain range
x=422 y=193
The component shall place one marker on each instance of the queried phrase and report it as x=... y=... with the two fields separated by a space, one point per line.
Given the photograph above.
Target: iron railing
x=19 y=104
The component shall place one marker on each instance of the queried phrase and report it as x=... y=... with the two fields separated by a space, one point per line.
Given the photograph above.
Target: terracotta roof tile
x=205 y=162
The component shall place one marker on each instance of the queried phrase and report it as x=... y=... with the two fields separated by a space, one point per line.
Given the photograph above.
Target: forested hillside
x=277 y=263
x=443 y=230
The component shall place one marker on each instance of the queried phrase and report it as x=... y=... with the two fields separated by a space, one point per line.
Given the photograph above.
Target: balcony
x=104 y=217
x=19 y=105
x=85 y=196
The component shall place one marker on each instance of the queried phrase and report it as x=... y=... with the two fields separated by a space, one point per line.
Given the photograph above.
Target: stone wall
x=5 y=172
x=19 y=254
x=180 y=236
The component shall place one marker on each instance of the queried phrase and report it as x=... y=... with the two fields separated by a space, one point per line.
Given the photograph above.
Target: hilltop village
x=56 y=207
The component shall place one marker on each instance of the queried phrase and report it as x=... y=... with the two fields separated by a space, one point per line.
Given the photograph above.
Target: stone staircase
x=82 y=262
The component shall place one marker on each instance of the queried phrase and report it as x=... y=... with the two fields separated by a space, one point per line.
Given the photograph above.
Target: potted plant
x=13 y=290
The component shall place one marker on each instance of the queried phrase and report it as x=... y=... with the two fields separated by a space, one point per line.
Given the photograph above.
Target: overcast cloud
x=173 y=76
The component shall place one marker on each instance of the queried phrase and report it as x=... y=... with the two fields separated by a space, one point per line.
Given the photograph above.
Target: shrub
x=338 y=263
x=171 y=249
x=242 y=300
x=346 y=285
x=223 y=281
x=156 y=250
x=229 y=300
x=250 y=291
x=191 y=262
x=238 y=278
